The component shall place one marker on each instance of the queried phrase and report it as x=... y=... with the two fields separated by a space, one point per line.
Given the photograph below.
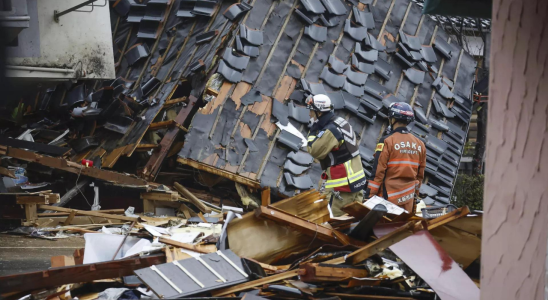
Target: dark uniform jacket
x=333 y=142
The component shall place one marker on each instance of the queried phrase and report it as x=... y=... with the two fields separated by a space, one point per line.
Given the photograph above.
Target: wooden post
x=265 y=197
x=193 y=199
x=516 y=174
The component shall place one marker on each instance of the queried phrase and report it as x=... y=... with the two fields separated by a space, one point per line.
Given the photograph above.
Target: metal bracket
x=57 y=14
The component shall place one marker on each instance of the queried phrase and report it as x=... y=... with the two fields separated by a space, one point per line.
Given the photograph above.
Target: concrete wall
x=515 y=225
x=80 y=40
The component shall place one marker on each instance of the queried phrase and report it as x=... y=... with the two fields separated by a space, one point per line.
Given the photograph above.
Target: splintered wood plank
x=255 y=283
x=241 y=89
x=223 y=93
x=112 y=157
x=88 y=213
x=7 y=173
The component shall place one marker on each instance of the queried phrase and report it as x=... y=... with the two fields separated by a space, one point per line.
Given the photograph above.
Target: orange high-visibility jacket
x=398 y=171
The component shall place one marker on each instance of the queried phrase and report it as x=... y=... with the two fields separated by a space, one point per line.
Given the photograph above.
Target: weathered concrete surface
x=516 y=182
x=19 y=254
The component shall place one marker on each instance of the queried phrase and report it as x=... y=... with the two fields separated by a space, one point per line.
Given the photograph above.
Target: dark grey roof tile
x=235 y=61
x=372 y=43
x=316 y=32
x=298 y=113
x=251 y=97
x=404 y=60
x=185 y=8
x=356 y=77
x=335 y=7
x=302 y=182
x=280 y=112
x=414 y=75
x=236 y=10
x=411 y=41
x=428 y=54
x=314 y=6
x=251 y=145
x=308 y=17
x=353 y=89
x=245 y=48
x=313 y=88
x=443 y=48
x=228 y=73
x=290 y=140
x=206 y=37
x=337 y=65
x=420 y=115
x=442 y=88
x=294 y=168
x=253 y=37
x=148 y=29
x=330 y=20
x=301 y=158
x=383 y=68
x=136 y=53
x=332 y=79
x=204 y=8
x=356 y=33
x=375 y=89
x=369 y=56
x=365 y=67
x=363 y=18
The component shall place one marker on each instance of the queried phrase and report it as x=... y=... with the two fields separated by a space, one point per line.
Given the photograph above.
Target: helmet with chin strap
x=402 y=112
x=319 y=103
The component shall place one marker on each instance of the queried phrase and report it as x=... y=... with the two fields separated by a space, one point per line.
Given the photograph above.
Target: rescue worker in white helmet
x=333 y=142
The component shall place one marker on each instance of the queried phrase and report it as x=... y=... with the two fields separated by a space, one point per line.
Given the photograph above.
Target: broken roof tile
x=236 y=10
x=302 y=182
x=437 y=124
x=353 y=89
x=137 y=52
x=418 y=129
x=280 y=112
x=332 y=79
x=427 y=190
x=415 y=55
x=371 y=102
x=442 y=88
x=372 y=43
x=411 y=41
x=383 y=68
x=365 y=67
x=251 y=97
x=435 y=144
x=337 y=65
x=196 y=66
x=316 y=32
x=313 y=87
x=185 y=8
x=294 y=168
x=335 y=7
x=136 y=14
x=330 y=20
x=206 y=37
x=356 y=33
x=428 y=54
x=337 y=99
x=253 y=37
x=443 y=48
x=298 y=113
x=155 y=12
x=148 y=29
x=228 y=73
x=414 y=75
x=204 y=8
x=308 y=17
x=356 y=77
x=301 y=158
x=235 y=61
x=245 y=48
x=290 y=140
x=314 y=6
x=420 y=115
x=404 y=60
x=363 y=18
x=369 y=56
x=375 y=89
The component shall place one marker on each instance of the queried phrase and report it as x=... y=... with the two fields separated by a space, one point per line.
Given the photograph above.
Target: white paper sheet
x=391 y=207
x=101 y=246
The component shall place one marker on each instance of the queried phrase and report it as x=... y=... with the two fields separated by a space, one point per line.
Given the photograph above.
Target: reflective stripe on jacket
x=326 y=142
x=398 y=170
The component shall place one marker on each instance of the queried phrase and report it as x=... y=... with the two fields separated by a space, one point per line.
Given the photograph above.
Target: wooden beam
x=62 y=164
x=254 y=283
x=154 y=163
x=331 y=273
x=7 y=173
x=232 y=176
x=160 y=196
x=161 y=125
x=196 y=248
x=37 y=199
x=376 y=246
x=74 y=274
x=88 y=213
x=193 y=199
x=454 y=215
x=265 y=197
x=117 y=211
x=309 y=228
x=70 y=218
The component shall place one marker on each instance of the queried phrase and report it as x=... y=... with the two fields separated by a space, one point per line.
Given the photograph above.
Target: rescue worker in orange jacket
x=333 y=142
x=400 y=160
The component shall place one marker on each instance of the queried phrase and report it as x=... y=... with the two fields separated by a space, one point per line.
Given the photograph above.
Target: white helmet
x=319 y=102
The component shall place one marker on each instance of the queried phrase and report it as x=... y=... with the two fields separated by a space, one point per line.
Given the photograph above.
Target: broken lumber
x=117 y=211
x=196 y=248
x=7 y=173
x=315 y=272
x=304 y=226
x=74 y=274
x=255 y=283
x=160 y=196
x=88 y=213
x=449 y=217
x=68 y=166
x=193 y=199
x=46 y=198
x=376 y=246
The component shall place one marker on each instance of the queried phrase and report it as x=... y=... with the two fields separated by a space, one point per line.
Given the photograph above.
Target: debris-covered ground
x=186 y=176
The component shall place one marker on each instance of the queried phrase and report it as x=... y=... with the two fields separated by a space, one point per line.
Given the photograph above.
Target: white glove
x=311 y=122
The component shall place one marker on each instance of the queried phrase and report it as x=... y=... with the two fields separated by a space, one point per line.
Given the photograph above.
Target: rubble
x=186 y=175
